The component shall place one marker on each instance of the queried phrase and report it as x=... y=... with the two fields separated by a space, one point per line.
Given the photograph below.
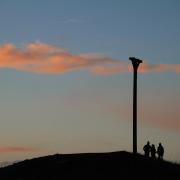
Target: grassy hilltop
x=113 y=165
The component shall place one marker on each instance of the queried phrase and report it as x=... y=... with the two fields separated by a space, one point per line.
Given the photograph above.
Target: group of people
x=151 y=150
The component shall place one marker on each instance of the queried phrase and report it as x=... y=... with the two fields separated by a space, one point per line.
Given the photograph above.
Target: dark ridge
x=113 y=165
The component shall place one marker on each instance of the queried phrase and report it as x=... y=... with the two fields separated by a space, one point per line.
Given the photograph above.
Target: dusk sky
x=66 y=83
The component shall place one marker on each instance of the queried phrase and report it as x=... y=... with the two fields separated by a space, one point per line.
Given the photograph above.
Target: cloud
x=159 y=68
x=49 y=59
x=7 y=149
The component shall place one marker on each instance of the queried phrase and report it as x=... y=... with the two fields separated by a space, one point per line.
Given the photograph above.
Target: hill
x=114 y=165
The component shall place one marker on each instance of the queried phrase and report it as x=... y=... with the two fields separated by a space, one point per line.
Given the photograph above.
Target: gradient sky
x=65 y=82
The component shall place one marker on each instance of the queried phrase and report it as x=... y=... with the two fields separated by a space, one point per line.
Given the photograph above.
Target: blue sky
x=78 y=111
x=116 y=28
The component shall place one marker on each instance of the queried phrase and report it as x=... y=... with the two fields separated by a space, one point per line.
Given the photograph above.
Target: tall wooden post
x=135 y=63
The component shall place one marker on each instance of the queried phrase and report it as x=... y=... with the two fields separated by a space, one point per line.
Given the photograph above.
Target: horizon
x=67 y=82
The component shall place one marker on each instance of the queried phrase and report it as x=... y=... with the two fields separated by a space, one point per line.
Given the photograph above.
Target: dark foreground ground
x=115 y=165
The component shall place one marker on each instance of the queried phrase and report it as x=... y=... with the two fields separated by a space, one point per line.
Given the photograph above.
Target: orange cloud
x=44 y=58
x=48 y=59
x=7 y=149
x=158 y=68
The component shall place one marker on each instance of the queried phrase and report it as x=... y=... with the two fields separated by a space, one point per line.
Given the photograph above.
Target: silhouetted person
x=147 y=149
x=153 y=151
x=160 y=151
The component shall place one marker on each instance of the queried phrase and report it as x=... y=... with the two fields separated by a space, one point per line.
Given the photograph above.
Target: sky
x=66 y=83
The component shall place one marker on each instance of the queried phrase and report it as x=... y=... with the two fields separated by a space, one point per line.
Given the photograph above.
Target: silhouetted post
x=135 y=63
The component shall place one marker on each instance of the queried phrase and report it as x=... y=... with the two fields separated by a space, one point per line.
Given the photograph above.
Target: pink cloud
x=49 y=59
x=158 y=68
x=7 y=149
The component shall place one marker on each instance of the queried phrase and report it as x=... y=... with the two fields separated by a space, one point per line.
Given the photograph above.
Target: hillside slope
x=115 y=165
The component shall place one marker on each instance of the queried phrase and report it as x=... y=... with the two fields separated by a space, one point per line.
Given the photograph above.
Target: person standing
x=147 y=149
x=160 y=151
x=153 y=151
